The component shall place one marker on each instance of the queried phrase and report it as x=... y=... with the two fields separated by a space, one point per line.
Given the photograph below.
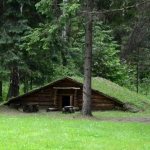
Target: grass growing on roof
x=114 y=90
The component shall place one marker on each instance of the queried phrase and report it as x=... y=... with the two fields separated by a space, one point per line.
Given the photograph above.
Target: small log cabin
x=65 y=92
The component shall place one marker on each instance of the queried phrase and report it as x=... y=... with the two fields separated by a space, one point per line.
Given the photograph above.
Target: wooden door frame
x=71 y=99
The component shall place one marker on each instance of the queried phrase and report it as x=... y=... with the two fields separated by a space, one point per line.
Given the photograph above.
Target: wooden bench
x=51 y=109
x=31 y=107
x=68 y=109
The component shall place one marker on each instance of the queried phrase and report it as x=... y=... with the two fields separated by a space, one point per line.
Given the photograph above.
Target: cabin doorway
x=65 y=101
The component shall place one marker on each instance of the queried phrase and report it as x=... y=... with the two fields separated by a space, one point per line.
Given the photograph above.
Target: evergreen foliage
x=45 y=40
x=106 y=61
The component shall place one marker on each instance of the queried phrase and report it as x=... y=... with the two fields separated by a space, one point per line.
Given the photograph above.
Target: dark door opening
x=65 y=101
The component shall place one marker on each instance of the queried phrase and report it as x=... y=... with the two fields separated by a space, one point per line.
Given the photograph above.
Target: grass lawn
x=46 y=131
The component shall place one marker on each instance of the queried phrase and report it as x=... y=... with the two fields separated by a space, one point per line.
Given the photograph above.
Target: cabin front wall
x=71 y=94
x=52 y=97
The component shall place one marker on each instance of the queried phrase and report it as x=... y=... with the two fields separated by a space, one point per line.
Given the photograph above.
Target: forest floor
x=106 y=130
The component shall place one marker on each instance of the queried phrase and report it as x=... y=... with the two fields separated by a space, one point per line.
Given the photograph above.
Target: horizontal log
x=40 y=100
x=45 y=93
x=37 y=102
x=67 y=88
x=41 y=94
x=37 y=97
x=102 y=105
x=98 y=96
x=102 y=108
x=101 y=100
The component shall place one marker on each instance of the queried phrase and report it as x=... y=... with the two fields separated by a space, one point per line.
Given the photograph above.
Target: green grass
x=56 y=131
x=122 y=94
x=121 y=114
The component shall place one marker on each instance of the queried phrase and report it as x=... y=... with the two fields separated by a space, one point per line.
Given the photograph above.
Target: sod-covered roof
x=107 y=88
x=120 y=93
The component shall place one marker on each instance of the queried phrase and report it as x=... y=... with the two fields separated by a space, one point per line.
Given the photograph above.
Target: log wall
x=50 y=97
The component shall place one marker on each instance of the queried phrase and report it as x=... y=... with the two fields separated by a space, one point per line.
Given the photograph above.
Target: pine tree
x=86 y=107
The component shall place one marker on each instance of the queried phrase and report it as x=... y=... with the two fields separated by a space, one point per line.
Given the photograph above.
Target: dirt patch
x=118 y=119
x=125 y=119
x=9 y=111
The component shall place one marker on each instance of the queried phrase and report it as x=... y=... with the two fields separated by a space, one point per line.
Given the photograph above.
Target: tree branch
x=119 y=9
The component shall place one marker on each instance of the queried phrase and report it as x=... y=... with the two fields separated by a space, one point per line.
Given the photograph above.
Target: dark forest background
x=43 y=40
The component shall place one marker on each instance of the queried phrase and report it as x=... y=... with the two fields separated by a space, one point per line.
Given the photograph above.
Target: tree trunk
x=26 y=85
x=1 y=90
x=31 y=83
x=64 y=36
x=63 y=56
x=14 y=83
x=137 y=71
x=86 y=108
x=137 y=78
